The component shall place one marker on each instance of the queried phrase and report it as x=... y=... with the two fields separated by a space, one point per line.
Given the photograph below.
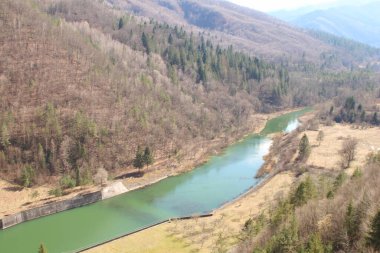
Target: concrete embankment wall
x=50 y=208
x=113 y=190
x=110 y=191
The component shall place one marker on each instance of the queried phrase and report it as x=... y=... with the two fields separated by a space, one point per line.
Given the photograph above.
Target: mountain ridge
x=82 y=93
x=360 y=23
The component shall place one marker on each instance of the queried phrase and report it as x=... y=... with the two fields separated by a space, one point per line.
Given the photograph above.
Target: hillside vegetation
x=316 y=219
x=330 y=209
x=245 y=28
x=84 y=84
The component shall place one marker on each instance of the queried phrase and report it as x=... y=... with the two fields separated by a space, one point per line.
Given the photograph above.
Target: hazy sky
x=274 y=5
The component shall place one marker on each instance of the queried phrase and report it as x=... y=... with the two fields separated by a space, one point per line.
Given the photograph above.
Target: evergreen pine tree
x=121 y=23
x=145 y=42
x=4 y=137
x=170 y=39
x=138 y=162
x=375 y=120
x=41 y=157
x=373 y=239
x=148 y=156
x=304 y=148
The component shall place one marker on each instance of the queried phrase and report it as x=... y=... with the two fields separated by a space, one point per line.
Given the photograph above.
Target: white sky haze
x=274 y=5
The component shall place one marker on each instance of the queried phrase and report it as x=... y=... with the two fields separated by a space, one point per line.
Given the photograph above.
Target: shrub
x=286 y=240
x=320 y=137
x=357 y=173
x=281 y=213
x=35 y=194
x=305 y=191
x=42 y=249
x=67 y=182
x=373 y=158
x=101 y=176
x=57 y=192
x=28 y=176
x=339 y=180
x=315 y=245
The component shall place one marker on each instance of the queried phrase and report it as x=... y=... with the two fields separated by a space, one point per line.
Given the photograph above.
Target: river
x=220 y=180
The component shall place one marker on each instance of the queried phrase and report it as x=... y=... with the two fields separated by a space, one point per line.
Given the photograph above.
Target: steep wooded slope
x=73 y=99
x=82 y=85
x=247 y=29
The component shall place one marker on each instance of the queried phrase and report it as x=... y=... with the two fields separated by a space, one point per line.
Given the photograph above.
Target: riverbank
x=201 y=235
x=198 y=154
x=222 y=179
x=16 y=199
x=222 y=230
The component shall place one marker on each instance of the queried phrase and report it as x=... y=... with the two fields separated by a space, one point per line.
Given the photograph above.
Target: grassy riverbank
x=16 y=198
x=222 y=230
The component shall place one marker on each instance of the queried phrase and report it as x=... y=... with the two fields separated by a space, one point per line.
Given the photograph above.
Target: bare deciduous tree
x=320 y=137
x=348 y=152
x=101 y=176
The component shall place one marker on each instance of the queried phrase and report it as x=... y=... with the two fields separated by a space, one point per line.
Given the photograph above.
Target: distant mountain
x=247 y=29
x=357 y=22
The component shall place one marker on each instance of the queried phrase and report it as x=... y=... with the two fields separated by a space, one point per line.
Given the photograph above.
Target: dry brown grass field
x=327 y=154
x=221 y=231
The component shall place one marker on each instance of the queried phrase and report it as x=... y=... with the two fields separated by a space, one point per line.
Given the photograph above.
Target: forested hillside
x=247 y=29
x=83 y=84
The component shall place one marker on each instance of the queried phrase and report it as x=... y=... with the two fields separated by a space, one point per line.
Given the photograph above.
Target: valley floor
x=221 y=231
x=202 y=234
x=14 y=198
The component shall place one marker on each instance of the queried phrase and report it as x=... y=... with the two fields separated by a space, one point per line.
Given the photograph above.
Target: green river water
x=222 y=179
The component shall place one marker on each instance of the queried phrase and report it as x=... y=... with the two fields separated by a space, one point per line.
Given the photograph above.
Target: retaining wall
x=50 y=208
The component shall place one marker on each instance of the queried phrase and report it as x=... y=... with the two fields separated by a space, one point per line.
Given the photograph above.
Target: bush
x=28 y=176
x=304 y=192
x=339 y=180
x=286 y=240
x=373 y=158
x=101 y=176
x=281 y=213
x=67 y=182
x=35 y=194
x=57 y=192
x=42 y=249
x=357 y=173
x=315 y=245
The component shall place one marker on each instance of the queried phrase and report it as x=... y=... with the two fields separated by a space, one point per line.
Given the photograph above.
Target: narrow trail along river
x=222 y=179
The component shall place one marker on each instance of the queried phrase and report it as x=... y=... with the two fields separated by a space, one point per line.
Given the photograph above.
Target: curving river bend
x=222 y=179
